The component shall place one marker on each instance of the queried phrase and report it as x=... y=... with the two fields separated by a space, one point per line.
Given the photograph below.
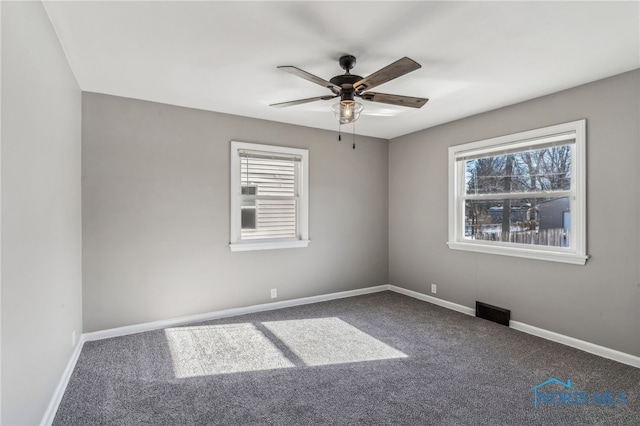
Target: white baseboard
x=592 y=348
x=157 y=325
x=51 y=410
x=445 y=304
x=589 y=347
x=516 y=325
x=50 y=413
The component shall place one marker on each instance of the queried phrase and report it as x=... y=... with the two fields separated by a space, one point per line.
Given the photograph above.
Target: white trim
x=602 y=351
x=440 y=302
x=268 y=245
x=537 y=253
x=56 y=398
x=225 y=313
x=1 y=221
x=543 y=136
x=235 y=242
x=576 y=253
x=592 y=348
x=589 y=347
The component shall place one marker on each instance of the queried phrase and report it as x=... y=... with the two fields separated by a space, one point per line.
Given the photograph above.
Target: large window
x=269 y=197
x=521 y=194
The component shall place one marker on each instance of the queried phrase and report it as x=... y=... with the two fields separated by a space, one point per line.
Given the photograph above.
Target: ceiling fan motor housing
x=346 y=81
x=347 y=86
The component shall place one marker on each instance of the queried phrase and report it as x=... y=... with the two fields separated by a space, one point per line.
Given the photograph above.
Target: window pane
x=273 y=219
x=539 y=221
x=267 y=177
x=544 y=169
x=269 y=197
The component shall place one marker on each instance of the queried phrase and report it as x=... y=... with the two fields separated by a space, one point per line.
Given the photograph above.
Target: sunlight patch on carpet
x=222 y=349
x=325 y=341
x=237 y=348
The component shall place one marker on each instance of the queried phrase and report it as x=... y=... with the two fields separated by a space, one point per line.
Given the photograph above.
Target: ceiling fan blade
x=312 y=78
x=302 y=101
x=407 y=101
x=394 y=70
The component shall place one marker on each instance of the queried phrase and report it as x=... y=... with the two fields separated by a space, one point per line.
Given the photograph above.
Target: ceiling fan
x=348 y=86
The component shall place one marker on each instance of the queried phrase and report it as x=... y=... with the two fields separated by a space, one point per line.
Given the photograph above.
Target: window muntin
x=269 y=187
x=537 y=177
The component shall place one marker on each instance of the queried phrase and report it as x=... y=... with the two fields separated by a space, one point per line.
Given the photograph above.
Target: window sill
x=528 y=253
x=268 y=245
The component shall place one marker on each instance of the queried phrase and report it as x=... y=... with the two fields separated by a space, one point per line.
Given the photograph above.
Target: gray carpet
x=382 y=358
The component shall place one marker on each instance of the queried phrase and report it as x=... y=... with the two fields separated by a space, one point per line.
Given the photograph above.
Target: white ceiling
x=222 y=56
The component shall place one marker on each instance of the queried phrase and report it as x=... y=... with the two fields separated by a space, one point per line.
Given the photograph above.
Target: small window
x=269 y=197
x=521 y=194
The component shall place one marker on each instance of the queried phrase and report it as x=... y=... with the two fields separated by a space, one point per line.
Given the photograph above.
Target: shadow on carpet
x=382 y=358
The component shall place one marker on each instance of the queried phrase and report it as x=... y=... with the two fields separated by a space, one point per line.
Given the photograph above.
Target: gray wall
x=598 y=302
x=155 y=194
x=155 y=199
x=41 y=224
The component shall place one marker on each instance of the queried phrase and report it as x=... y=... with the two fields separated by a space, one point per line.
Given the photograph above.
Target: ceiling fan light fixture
x=347 y=111
x=347 y=86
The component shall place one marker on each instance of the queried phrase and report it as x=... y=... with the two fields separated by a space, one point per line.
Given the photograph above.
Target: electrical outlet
x=274 y=293
x=73 y=339
x=434 y=289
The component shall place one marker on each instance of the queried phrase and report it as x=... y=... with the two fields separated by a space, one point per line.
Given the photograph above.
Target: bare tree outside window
x=521 y=194
x=518 y=213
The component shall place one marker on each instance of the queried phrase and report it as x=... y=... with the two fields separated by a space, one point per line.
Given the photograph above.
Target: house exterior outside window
x=269 y=197
x=521 y=195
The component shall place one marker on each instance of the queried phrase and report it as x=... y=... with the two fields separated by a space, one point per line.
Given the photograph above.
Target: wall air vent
x=493 y=313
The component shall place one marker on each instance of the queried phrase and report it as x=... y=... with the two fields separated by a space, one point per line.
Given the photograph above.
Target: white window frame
x=576 y=252
x=302 y=239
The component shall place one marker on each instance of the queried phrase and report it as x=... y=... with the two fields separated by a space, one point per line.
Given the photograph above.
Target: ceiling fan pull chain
x=339 y=131
x=354 y=135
